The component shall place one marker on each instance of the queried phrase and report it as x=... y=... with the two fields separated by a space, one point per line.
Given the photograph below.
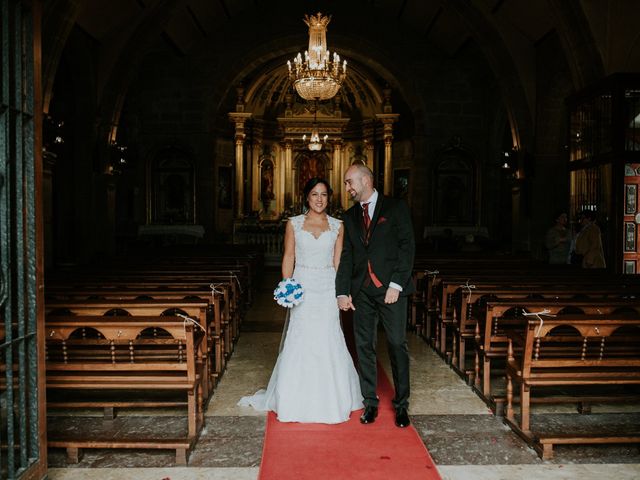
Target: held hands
x=392 y=295
x=345 y=303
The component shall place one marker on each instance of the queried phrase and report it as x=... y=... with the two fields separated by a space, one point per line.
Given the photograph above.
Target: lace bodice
x=314 y=252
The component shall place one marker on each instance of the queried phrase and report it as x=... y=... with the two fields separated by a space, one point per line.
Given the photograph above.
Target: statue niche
x=266 y=184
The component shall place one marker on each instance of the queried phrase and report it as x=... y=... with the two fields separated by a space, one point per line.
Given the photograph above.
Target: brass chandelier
x=318 y=76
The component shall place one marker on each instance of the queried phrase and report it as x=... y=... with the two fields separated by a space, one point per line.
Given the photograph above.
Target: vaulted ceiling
x=507 y=32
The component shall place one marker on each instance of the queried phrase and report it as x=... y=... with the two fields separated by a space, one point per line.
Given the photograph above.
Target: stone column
x=337 y=173
x=387 y=120
x=346 y=163
x=254 y=176
x=278 y=177
x=288 y=175
x=239 y=119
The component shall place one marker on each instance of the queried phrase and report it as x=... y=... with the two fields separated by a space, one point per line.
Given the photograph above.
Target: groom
x=374 y=279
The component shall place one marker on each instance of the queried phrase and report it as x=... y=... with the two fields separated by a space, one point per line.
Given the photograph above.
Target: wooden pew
x=422 y=303
x=501 y=270
x=129 y=355
x=457 y=299
x=195 y=309
x=499 y=316
x=218 y=315
x=468 y=304
x=229 y=304
x=571 y=350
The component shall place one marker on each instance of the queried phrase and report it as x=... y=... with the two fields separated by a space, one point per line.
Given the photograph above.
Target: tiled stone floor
x=465 y=440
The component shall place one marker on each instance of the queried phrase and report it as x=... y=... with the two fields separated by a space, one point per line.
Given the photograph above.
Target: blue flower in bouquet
x=288 y=293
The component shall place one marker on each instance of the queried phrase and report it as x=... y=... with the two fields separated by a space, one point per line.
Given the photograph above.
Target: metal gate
x=22 y=447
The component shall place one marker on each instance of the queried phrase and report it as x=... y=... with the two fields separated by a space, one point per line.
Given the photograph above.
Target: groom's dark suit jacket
x=389 y=245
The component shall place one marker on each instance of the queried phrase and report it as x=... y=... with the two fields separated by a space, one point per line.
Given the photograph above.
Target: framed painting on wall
x=630 y=267
x=630 y=198
x=629 y=237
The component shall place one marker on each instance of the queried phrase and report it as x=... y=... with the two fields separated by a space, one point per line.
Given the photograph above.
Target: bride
x=314 y=380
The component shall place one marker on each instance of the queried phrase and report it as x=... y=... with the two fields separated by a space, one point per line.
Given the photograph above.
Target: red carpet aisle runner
x=347 y=451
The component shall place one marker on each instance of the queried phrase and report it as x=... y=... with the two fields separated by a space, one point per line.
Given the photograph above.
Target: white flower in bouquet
x=288 y=293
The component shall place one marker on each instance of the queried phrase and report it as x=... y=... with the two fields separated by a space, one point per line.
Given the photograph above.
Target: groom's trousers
x=370 y=308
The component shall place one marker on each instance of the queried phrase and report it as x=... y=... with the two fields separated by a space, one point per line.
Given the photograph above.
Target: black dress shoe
x=369 y=415
x=402 y=418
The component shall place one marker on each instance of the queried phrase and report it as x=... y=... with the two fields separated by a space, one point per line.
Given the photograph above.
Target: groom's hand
x=392 y=295
x=345 y=303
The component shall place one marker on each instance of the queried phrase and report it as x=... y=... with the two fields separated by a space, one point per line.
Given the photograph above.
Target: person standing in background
x=557 y=240
x=589 y=242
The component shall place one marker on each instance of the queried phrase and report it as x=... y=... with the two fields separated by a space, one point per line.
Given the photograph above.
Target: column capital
x=239 y=118
x=388 y=118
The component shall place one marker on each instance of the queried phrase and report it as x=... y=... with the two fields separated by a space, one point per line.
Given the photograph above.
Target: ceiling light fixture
x=318 y=76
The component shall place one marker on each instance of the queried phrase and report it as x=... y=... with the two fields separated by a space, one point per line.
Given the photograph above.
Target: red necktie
x=367 y=218
x=367 y=223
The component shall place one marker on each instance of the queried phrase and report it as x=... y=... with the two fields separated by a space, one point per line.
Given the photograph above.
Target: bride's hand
x=345 y=303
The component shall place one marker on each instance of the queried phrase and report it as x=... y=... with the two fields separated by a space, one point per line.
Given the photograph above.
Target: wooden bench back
x=89 y=344
x=582 y=346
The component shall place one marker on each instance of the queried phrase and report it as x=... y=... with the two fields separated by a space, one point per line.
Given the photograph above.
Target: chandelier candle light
x=318 y=76
x=314 y=142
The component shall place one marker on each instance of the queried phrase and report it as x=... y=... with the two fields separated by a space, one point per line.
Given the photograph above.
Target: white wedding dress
x=314 y=380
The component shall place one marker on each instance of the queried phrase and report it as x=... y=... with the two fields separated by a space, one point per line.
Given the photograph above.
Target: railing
x=267 y=235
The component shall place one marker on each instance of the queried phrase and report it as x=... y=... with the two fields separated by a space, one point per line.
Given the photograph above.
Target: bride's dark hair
x=310 y=185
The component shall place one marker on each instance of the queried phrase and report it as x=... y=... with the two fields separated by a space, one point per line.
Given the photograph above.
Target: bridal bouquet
x=288 y=293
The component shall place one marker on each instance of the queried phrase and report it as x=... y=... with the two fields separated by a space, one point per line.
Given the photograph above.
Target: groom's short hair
x=364 y=171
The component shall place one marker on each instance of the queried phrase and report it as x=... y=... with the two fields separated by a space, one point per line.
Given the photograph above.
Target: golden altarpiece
x=604 y=164
x=275 y=151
